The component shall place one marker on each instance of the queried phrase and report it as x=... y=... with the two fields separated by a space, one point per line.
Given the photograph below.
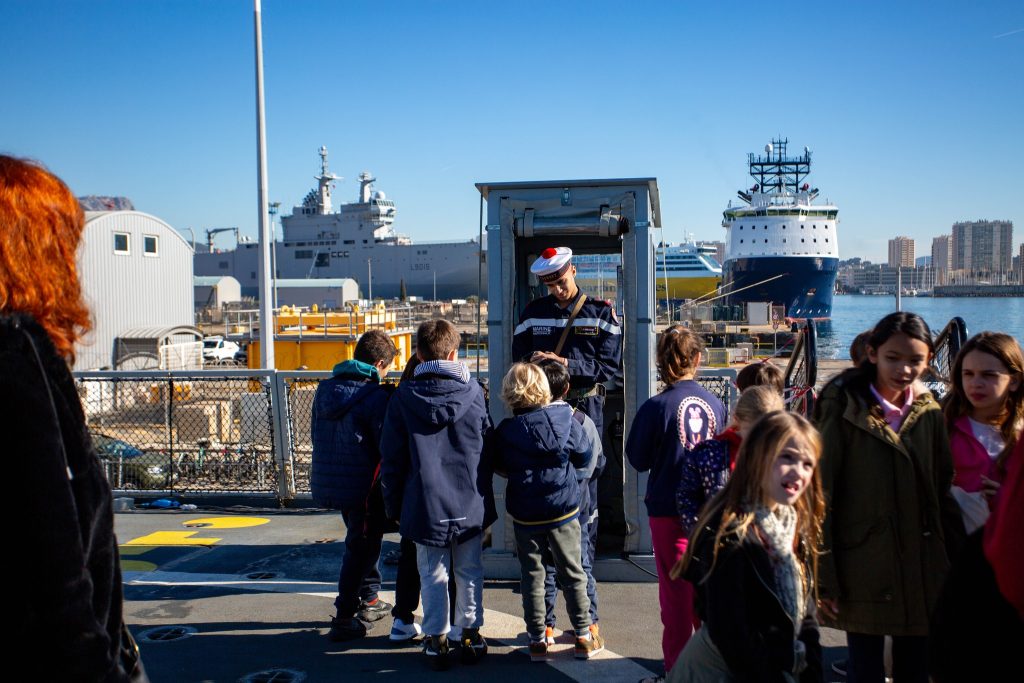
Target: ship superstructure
x=781 y=247
x=356 y=241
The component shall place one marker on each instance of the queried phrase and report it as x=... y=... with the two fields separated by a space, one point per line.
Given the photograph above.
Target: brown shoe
x=588 y=647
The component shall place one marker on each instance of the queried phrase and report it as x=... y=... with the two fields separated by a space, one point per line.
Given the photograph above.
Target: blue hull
x=805 y=286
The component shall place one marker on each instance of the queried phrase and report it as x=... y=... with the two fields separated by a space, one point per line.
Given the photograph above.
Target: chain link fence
x=181 y=432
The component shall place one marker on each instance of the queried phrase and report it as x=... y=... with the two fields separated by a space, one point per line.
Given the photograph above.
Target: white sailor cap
x=552 y=264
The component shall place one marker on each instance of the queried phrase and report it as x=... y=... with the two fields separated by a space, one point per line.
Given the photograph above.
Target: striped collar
x=445 y=368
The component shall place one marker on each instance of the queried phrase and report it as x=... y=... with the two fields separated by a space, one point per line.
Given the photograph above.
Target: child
x=753 y=560
x=558 y=381
x=433 y=472
x=891 y=522
x=348 y=412
x=763 y=372
x=537 y=450
x=683 y=415
x=984 y=414
x=706 y=468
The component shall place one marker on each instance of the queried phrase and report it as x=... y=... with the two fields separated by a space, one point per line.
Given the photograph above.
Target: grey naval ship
x=356 y=241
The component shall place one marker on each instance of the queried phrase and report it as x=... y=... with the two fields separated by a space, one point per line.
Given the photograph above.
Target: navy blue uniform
x=593 y=347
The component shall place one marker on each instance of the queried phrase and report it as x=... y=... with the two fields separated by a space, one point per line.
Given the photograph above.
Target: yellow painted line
x=172 y=538
x=137 y=566
x=226 y=522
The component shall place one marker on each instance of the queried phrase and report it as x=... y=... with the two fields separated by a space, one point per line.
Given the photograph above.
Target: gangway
x=947 y=346
x=614 y=216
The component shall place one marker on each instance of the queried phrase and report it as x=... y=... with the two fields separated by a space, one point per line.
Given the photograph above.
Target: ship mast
x=326 y=178
x=775 y=171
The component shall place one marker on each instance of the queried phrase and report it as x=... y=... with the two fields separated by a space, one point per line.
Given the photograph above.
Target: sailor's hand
x=538 y=356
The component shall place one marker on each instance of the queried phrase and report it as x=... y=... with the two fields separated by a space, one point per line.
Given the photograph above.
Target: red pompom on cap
x=548 y=253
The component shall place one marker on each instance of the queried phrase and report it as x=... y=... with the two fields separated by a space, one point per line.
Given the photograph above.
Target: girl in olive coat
x=890 y=519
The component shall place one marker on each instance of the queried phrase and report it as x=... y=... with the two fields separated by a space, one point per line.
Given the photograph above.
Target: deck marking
x=164 y=538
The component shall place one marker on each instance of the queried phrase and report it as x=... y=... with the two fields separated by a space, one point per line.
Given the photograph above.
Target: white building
x=136 y=272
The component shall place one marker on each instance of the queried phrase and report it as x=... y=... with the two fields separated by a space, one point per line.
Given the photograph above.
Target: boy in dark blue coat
x=434 y=471
x=348 y=412
x=537 y=450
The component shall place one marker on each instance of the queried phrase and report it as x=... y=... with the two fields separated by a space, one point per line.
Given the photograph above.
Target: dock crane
x=210 y=232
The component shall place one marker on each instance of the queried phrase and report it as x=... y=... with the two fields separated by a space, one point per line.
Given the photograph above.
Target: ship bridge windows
x=349 y=242
x=303 y=254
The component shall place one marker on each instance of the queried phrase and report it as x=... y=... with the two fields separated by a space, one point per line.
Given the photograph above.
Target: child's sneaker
x=473 y=646
x=402 y=631
x=538 y=651
x=437 y=651
x=345 y=628
x=375 y=610
x=588 y=646
x=549 y=635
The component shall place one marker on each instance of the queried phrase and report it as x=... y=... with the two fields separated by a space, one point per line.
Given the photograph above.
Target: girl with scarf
x=752 y=560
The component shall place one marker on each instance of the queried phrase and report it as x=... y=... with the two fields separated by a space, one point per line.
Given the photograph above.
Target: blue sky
x=913 y=109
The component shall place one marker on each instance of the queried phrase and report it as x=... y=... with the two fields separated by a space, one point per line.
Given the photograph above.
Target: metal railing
x=947 y=346
x=802 y=370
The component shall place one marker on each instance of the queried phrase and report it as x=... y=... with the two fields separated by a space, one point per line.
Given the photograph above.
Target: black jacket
x=737 y=602
x=65 y=607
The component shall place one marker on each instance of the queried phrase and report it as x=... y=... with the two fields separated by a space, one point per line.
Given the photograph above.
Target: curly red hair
x=41 y=225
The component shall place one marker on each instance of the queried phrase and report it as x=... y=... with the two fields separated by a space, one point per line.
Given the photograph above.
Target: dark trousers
x=359 y=579
x=867 y=662
x=407 y=584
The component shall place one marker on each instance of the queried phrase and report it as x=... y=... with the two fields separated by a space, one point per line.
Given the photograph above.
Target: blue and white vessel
x=781 y=247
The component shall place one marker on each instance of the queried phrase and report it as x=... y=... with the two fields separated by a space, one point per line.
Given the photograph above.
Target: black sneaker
x=345 y=628
x=374 y=611
x=437 y=652
x=473 y=646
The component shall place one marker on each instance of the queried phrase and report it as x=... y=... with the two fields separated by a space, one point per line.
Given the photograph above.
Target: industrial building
x=136 y=272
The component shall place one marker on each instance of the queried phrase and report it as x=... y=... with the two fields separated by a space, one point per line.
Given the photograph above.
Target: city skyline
x=909 y=114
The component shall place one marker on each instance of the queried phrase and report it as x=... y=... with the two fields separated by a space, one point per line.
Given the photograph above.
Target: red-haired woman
x=67 y=608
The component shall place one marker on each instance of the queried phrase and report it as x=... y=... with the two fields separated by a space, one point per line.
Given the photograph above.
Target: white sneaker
x=401 y=631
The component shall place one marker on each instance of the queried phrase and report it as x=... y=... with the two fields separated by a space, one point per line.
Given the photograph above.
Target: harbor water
x=852 y=314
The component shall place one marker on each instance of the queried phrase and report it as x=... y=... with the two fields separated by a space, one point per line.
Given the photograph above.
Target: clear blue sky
x=913 y=109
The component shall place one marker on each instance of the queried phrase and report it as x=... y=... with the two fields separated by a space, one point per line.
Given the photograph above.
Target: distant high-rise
x=983 y=246
x=901 y=252
x=942 y=257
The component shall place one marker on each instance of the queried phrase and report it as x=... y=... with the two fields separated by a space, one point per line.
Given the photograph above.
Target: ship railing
x=948 y=343
x=802 y=370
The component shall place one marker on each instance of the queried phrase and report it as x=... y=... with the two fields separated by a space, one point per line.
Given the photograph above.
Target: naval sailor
x=581 y=333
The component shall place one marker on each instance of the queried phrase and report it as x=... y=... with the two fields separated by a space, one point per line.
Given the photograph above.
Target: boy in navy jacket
x=537 y=450
x=348 y=412
x=433 y=469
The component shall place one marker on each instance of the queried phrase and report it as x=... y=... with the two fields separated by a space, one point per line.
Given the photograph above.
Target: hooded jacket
x=434 y=475
x=738 y=602
x=891 y=524
x=538 y=451
x=348 y=413
x=69 y=603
